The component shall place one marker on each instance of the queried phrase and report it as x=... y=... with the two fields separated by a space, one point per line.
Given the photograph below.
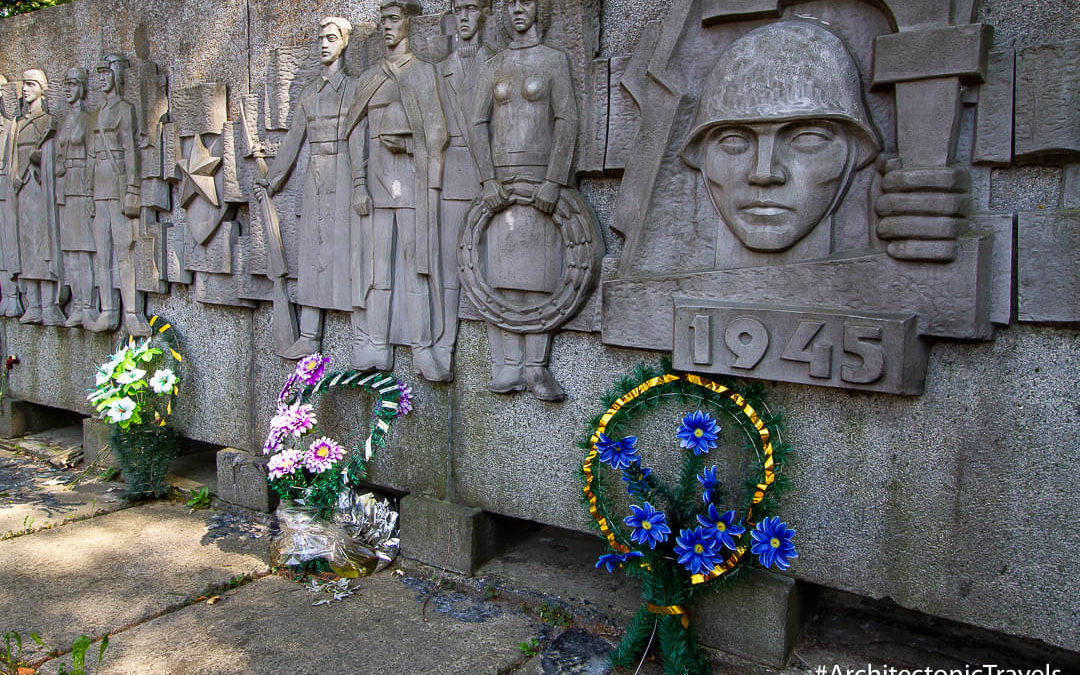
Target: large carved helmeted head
x=780 y=130
x=35 y=84
x=334 y=33
x=75 y=84
x=470 y=16
x=394 y=16
x=110 y=72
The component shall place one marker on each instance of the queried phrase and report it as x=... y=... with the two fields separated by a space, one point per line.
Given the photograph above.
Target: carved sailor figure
x=34 y=184
x=10 y=305
x=325 y=232
x=524 y=129
x=399 y=114
x=458 y=74
x=75 y=197
x=113 y=129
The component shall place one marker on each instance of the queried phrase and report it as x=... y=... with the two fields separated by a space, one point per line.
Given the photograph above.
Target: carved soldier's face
x=31 y=91
x=395 y=25
x=522 y=14
x=330 y=44
x=470 y=17
x=107 y=79
x=773 y=182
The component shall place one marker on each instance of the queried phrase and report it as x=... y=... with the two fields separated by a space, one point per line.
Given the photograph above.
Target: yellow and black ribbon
x=759 y=490
x=670 y=610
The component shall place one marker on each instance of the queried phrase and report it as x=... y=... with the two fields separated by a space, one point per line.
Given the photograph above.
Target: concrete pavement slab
x=102 y=574
x=34 y=495
x=270 y=627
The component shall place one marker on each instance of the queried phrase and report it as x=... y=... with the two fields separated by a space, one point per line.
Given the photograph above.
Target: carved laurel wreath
x=582 y=252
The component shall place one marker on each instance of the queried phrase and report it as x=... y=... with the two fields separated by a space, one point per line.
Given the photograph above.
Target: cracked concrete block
x=242 y=480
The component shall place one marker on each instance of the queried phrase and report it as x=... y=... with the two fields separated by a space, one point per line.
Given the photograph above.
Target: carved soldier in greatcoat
x=34 y=184
x=325 y=233
x=113 y=129
x=10 y=305
x=524 y=129
x=399 y=113
x=75 y=196
x=458 y=75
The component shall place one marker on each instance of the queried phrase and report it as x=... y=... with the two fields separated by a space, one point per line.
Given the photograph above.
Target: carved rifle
x=285 y=329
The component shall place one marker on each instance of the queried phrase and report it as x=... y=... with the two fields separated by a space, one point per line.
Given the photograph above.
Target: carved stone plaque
x=857 y=350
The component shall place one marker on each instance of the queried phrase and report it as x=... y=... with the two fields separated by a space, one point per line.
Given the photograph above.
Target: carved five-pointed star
x=198 y=169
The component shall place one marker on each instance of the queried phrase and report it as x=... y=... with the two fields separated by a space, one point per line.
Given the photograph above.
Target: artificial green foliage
x=665 y=583
x=145 y=453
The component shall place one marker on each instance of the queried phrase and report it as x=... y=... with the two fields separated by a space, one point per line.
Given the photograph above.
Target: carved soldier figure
x=778 y=152
x=10 y=304
x=458 y=73
x=34 y=183
x=325 y=233
x=524 y=129
x=399 y=114
x=113 y=129
x=74 y=195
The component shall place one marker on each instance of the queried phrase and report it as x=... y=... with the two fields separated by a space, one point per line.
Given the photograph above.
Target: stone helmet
x=35 y=75
x=783 y=71
x=117 y=63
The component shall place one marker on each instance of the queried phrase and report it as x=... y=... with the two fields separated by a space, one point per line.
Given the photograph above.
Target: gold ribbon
x=759 y=490
x=670 y=610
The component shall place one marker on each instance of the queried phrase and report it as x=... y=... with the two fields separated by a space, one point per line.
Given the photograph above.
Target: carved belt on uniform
x=458 y=142
x=69 y=163
x=323 y=147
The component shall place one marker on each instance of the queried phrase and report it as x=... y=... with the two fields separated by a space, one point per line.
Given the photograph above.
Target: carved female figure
x=39 y=254
x=523 y=136
x=74 y=195
x=10 y=304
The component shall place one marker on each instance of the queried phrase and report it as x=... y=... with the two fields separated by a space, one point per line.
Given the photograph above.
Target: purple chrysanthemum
x=296 y=419
x=322 y=454
x=697 y=550
x=285 y=463
x=613 y=561
x=405 y=401
x=310 y=369
x=650 y=526
x=722 y=526
x=617 y=454
x=273 y=441
x=698 y=432
x=772 y=543
x=708 y=482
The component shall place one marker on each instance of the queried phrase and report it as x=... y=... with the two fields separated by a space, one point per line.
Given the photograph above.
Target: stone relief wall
x=885 y=213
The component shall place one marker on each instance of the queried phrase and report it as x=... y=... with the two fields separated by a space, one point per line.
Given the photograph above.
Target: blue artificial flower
x=772 y=543
x=708 y=482
x=635 y=476
x=697 y=550
x=650 y=526
x=698 y=432
x=613 y=561
x=617 y=454
x=723 y=527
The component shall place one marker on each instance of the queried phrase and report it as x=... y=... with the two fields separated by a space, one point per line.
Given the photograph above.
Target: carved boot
x=310 y=340
x=136 y=324
x=539 y=379
x=14 y=306
x=108 y=320
x=33 y=303
x=426 y=366
x=76 y=318
x=507 y=359
x=52 y=316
